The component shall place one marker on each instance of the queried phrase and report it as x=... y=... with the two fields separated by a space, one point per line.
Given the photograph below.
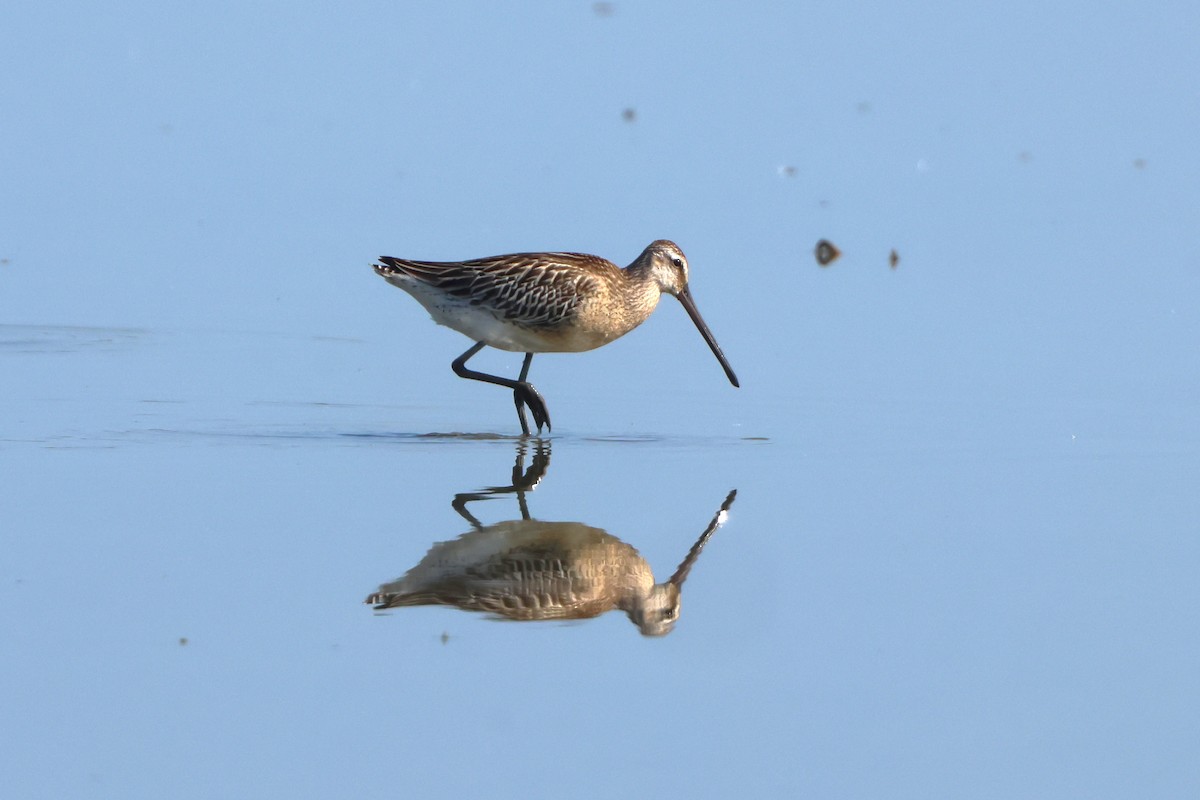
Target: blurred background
x=962 y=559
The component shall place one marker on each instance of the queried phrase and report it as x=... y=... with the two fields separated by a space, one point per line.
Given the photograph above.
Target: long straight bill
x=689 y=305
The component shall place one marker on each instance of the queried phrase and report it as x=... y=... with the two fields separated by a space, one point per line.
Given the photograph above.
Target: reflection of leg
x=518 y=471
x=523 y=392
x=523 y=480
x=541 y=462
x=527 y=479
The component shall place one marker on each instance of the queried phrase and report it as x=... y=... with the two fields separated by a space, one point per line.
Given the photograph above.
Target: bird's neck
x=641 y=289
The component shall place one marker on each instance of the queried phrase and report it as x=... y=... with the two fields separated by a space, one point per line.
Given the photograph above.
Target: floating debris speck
x=604 y=9
x=893 y=259
x=1139 y=163
x=786 y=170
x=826 y=252
x=629 y=114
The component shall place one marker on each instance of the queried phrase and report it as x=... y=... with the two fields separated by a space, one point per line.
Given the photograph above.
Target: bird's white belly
x=482 y=325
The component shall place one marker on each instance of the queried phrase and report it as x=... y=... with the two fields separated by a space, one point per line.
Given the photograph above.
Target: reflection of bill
x=527 y=569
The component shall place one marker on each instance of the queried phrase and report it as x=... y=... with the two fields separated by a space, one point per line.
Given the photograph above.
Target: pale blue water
x=962 y=558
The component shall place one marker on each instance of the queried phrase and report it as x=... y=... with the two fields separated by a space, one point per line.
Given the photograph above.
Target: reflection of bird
x=545 y=303
x=532 y=570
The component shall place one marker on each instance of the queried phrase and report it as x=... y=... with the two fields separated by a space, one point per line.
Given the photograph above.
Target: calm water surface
x=183 y=596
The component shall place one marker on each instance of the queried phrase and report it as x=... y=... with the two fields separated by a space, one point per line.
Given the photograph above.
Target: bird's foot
x=525 y=395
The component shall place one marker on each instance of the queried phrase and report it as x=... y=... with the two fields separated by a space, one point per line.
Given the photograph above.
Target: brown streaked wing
x=535 y=289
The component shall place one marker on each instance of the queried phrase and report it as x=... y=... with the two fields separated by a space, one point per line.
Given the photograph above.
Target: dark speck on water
x=826 y=252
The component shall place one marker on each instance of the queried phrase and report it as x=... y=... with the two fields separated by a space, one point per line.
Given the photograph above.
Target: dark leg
x=523 y=392
x=523 y=481
x=517 y=395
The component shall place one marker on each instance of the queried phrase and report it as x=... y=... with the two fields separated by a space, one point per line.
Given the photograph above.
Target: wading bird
x=545 y=303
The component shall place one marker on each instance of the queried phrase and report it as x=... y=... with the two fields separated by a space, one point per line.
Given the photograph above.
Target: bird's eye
x=677 y=261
